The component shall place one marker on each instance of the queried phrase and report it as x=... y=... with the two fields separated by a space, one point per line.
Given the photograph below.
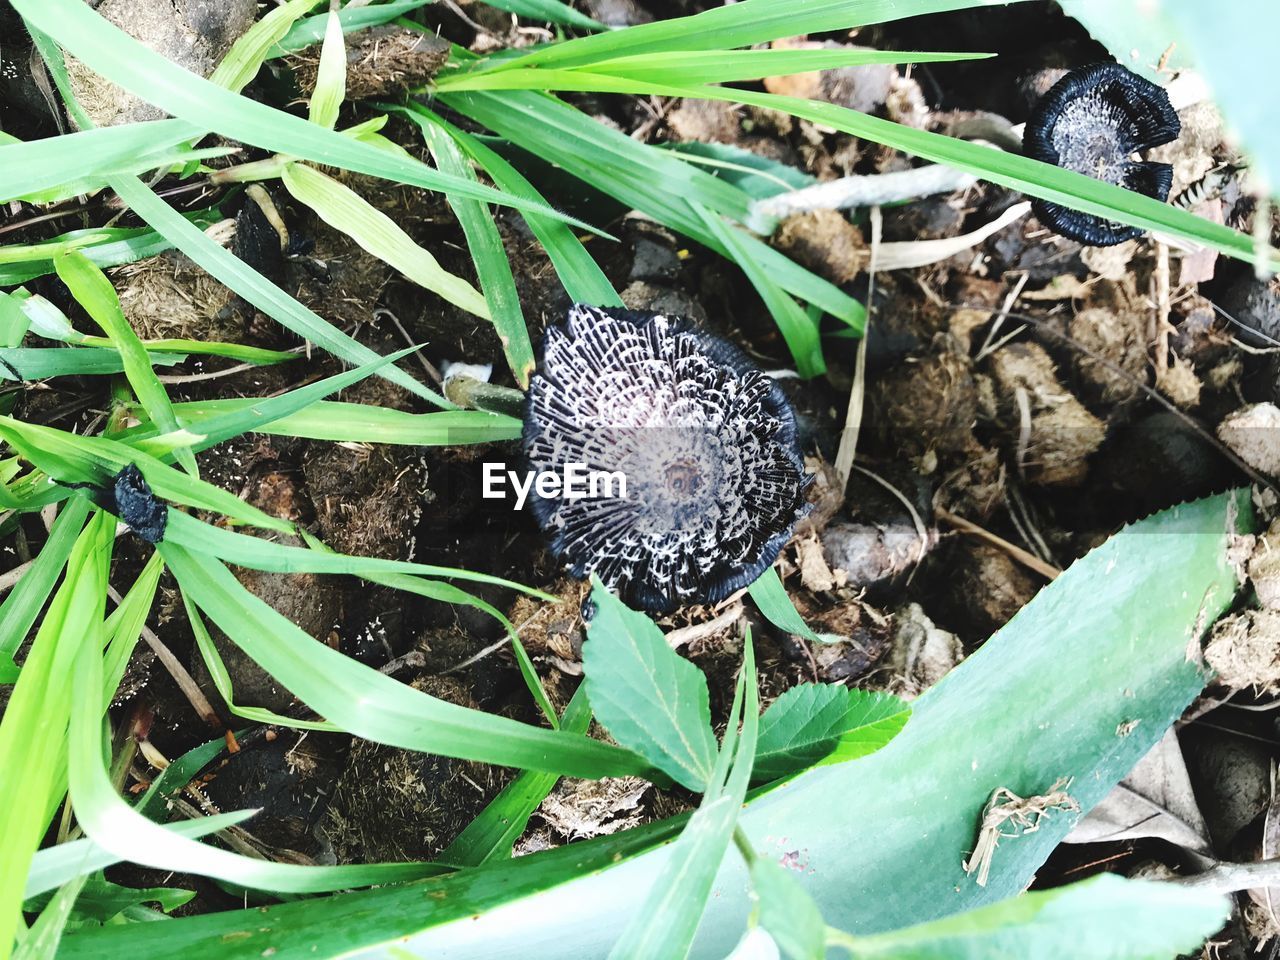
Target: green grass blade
x=331 y=76
x=118 y=828
x=124 y=625
x=54 y=866
x=250 y=417
x=115 y=55
x=34 y=726
x=345 y=210
x=610 y=161
x=649 y=698
x=28 y=168
x=737 y=25
x=581 y=276
x=258 y=554
x=551 y=11
x=489 y=256
x=238 y=276
x=19 y=611
x=798 y=329
x=771 y=599
x=41 y=363
x=372 y=705
x=41 y=941
x=70 y=458
x=492 y=834
x=246 y=56
x=683 y=69
x=94 y=292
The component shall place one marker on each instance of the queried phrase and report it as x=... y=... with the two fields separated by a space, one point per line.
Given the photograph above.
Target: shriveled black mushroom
x=1093 y=121
x=131 y=499
x=714 y=477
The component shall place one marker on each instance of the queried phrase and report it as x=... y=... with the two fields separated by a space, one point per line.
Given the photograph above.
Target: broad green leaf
x=310 y=30
x=331 y=76
x=786 y=911
x=581 y=276
x=489 y=256
x=799 y=330
x=820 y=722
x=666 y=922
x=1105 y=918
x=345 y=210
x=649 y=698
x=369 y=704
x=93 y=291
x=1231 y=46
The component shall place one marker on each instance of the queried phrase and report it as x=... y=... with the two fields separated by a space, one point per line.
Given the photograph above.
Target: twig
x=176 y=670
x=678 y=638
x=1029 y=560
x=857 y=392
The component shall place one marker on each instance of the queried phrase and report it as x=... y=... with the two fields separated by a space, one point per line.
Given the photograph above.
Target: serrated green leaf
x=649 y=698
x=820 y=722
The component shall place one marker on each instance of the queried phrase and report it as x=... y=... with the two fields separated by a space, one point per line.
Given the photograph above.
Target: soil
x=1026 y=386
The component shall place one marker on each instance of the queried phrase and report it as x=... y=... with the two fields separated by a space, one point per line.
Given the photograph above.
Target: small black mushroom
x=131 y=499
x=1093 y=121
x=714 y=478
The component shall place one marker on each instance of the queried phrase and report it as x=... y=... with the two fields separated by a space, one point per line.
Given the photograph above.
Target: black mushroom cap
x=130 y=498
x=715 y=479
x=1093 y=121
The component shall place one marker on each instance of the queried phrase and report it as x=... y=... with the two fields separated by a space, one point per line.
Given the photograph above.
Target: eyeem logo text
x=576 y=482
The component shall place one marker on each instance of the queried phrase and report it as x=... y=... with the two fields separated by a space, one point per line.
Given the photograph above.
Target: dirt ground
x=1024 y=399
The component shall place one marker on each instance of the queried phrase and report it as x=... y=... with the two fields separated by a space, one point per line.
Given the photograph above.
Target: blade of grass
x=358 y=423
x=372 y=705
x=246 y=56
x=687 y=68
x=93 y=291
x=345 y=210
x=238 y=276
x=771 y=599
x=798 y=329
x=120 y=58
x=581 y=276
x=737 y=25
x=493 y=833
x=41 y=363
x=551 y=11
x=34 y=726
x=331 y=76
x=489 y=256
x=118 y=828
x=19 y=611
x=124 y=626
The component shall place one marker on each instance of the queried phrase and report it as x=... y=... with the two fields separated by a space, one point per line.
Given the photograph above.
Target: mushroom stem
x=472 y=394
